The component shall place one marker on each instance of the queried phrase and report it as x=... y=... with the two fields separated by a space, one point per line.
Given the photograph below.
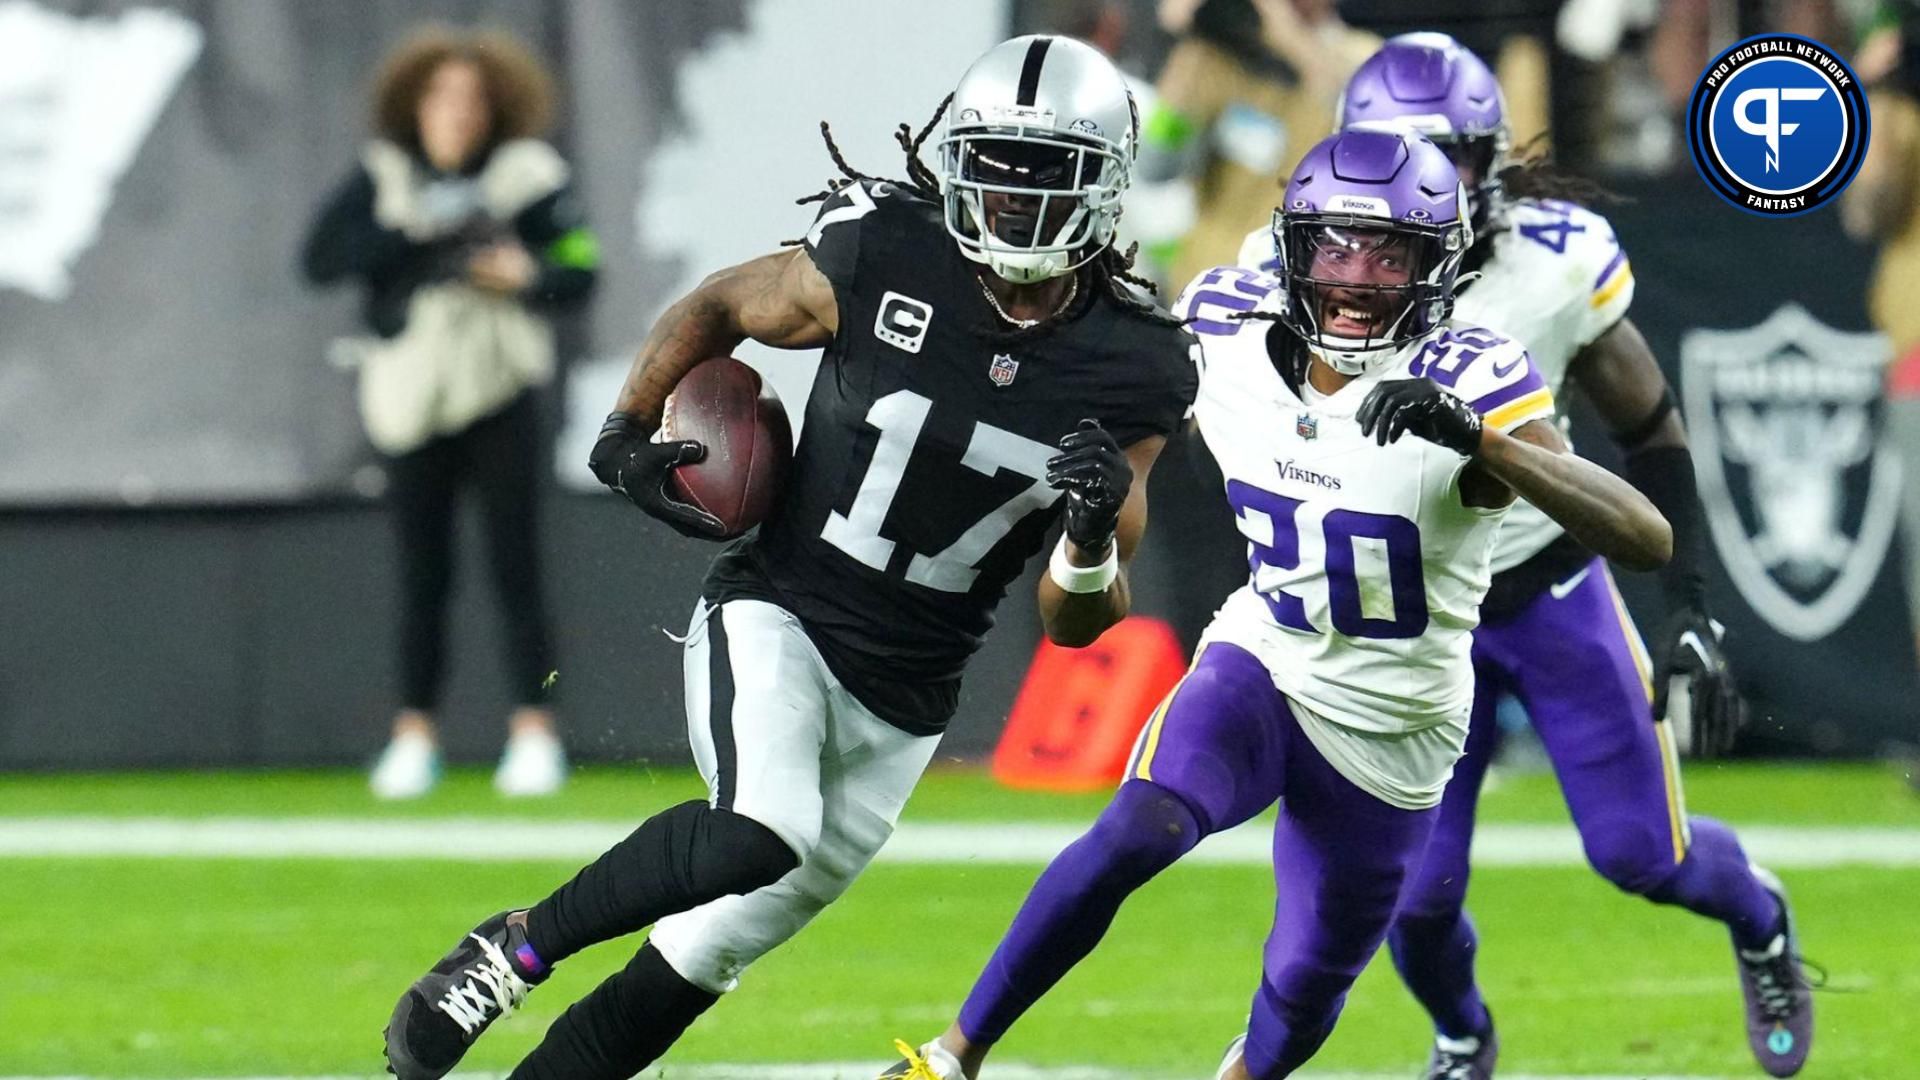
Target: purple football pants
x=1574 y=660
x=1221 y=749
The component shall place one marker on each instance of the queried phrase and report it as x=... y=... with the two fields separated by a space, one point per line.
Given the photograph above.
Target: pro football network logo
x=1800 y=491
x=1778 y=125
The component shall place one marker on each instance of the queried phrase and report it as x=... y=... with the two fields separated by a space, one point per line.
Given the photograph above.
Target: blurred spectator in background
x=1880 y=207
x=1248 y=87
x=1106 y=25
x=1674 y=40
x=460 y=226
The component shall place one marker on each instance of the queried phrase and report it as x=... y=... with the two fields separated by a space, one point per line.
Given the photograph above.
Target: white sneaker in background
x=408 y=768
x=534 y=764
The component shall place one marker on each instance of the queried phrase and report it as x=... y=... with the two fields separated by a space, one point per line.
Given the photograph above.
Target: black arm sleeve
x=1665 y=475
x=555 y=232
x=346 y=241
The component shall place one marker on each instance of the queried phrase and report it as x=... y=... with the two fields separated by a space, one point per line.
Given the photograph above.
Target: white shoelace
x=1774 y=987
x=491 y=984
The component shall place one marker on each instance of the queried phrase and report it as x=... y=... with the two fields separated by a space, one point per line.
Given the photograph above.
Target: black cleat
x=485 y=977
x=1464 y=1059
x=1779 y=998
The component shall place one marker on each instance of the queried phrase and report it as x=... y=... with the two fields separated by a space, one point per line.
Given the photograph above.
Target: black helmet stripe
x=1030 y=71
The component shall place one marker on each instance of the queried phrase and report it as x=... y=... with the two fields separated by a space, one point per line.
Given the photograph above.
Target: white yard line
x=865 y=1070
x=1010 y=843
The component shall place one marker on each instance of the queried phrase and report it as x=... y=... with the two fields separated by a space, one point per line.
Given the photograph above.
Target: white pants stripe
x=779 y=740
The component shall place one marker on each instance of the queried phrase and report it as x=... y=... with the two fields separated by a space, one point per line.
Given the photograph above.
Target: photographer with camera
x=463 y=231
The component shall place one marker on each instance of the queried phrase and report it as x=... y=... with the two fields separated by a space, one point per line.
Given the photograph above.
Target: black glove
x=1420 y=407
x=1093 y=471
x=625 y=460
x=1692 y=647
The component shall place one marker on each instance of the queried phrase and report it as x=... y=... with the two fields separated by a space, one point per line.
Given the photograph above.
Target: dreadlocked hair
x=1533 y=175
x=1110 y=270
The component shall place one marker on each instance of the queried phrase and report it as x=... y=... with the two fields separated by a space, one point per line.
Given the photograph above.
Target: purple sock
x=1141 y=832
x=1435 y=958
x=1714 y=880
x=530 y=966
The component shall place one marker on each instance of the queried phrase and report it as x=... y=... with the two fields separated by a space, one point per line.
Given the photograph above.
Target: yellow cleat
x=912 y=1066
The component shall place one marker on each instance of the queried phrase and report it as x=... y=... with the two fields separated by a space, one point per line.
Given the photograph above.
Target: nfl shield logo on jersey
x=1307 y=427
x=1800 y=490
x=1003 y=369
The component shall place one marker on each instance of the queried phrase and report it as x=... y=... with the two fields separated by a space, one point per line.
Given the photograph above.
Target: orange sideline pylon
x=1073 y=725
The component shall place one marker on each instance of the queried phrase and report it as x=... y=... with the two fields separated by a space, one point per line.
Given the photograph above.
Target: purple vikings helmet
x=1370 y=238
x=1432 y=84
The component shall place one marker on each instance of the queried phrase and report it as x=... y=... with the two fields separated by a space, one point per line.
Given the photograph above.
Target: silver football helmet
x=1039 y=148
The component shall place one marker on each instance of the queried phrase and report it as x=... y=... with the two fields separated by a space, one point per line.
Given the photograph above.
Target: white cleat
x=534 y=764
x=408 y=768
x=1235 y=1051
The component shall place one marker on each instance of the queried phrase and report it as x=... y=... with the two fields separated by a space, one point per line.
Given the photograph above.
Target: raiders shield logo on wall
x=1800 y=491
x=1003 y=369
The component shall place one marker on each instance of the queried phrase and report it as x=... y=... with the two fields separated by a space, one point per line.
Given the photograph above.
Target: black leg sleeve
x=622 y=1027
x=679 y=859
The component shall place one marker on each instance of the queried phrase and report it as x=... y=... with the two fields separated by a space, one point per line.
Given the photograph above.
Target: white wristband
x=1083 y=579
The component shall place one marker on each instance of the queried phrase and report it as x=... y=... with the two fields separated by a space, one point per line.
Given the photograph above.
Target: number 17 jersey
x=1367 y=569
x=918 y=492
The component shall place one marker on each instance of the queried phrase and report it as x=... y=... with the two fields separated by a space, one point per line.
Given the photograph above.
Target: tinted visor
x=1472 y=156
x=1033 y=165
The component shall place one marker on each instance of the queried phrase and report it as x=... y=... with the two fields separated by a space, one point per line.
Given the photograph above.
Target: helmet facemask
x=1358 y=288
x=1029 y=203
x=1484 y=156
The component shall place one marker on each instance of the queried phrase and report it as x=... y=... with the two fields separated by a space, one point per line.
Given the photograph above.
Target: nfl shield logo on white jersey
x=1800 y=490
x=1307 y=427
x=1003 y=369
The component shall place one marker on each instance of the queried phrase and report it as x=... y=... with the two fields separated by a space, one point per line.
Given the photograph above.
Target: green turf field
x=173 y=967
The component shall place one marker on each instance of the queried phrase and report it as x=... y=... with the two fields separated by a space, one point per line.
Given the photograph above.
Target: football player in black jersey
x=988 y=372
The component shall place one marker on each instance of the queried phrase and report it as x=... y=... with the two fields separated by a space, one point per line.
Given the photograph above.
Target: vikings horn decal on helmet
x=1432 y=84
x=1039 y=148
x=1370 y=238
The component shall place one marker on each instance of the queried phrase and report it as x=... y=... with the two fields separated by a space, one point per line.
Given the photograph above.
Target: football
x=723 y=404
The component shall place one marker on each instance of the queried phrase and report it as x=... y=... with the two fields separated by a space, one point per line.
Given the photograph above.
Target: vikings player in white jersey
x=1370 y=450
x=1551 y=275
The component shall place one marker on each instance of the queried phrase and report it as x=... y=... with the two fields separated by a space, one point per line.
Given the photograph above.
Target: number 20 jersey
x=1367 y=570
x=918 y=491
